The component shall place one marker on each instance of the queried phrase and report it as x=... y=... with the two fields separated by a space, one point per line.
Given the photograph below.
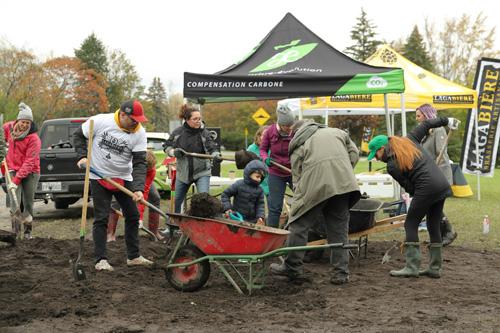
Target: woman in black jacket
x=418 y=174
x=191 y=137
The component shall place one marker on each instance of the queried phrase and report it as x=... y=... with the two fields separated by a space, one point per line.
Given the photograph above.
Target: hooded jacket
x=322 y=159
x=248 y=196
x=433 y=143
x=23 y=156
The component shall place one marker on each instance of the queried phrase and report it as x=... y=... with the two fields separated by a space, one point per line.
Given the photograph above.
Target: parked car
x=60 y=179
x=155 y=143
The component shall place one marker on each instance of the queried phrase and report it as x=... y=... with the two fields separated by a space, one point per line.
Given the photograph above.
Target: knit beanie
x=25 y=112
x=285 y=115
x=428 y=111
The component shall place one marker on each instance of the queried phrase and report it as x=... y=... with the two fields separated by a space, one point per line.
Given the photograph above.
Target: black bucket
x=363 y=214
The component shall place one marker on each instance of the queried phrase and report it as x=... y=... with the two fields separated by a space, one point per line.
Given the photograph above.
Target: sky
x=166 y=38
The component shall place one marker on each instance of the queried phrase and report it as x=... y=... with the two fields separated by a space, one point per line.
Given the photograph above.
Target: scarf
x=17 y=134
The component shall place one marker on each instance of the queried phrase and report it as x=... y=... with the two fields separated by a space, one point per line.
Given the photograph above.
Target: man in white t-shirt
x=118 y=152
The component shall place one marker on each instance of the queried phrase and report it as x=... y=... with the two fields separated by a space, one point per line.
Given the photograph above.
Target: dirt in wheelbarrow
x=38 y=294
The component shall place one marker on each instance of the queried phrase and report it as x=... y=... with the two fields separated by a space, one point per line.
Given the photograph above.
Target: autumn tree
x=363 y=34
x=92 y=53
x=124 y=81
x=156 y=99
x=415 y=50
x=19 y=71
x=71 y=90
x=456 y=49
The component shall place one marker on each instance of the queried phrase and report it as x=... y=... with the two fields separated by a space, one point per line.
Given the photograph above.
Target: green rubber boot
x=412 y=253
x=435 y=261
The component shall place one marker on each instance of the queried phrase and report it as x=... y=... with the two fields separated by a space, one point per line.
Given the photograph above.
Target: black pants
x=422 y=206
x=102 y=204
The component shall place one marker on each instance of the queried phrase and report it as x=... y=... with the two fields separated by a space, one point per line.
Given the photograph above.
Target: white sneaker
x=139 y=261
x=103 y=265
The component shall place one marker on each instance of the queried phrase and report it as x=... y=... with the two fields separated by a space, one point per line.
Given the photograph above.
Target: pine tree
x=92 y=54
x=363 y=33
x=415 y=50
x=157 y=99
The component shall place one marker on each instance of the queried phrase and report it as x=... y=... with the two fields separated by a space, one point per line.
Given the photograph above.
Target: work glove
x=217 y=156
x=179 y=153
x=453 y=123
x=12 y=186
x=171 y=152
x=268 y=161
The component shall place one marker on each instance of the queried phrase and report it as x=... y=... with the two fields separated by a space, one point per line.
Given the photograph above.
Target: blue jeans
x=277 y=188
x=202 y=186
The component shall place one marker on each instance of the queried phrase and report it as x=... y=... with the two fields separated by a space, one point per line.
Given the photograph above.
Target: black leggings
x=420 y=207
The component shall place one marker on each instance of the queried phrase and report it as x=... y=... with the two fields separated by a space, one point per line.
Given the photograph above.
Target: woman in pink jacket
x=23 y=160
x=274 y=147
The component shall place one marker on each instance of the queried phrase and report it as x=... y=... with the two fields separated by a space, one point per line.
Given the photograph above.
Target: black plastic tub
x=363 y=214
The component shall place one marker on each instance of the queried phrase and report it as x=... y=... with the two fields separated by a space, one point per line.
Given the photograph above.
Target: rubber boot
x=153 y=223
x=412 y=253
x=435 y=261
x=447 y=232
x=112 y=222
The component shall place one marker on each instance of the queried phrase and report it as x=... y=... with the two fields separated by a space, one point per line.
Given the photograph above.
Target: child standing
x=248 y=196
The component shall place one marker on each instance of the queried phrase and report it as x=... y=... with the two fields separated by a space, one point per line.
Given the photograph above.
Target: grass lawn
x=465 y=214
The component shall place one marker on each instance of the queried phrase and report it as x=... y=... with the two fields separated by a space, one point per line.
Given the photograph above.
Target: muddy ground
x=39 y=294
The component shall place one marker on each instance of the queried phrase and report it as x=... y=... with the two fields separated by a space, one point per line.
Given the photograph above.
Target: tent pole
x=403 y=115
x=476 y=132
x=326 y=117
x=387 y=118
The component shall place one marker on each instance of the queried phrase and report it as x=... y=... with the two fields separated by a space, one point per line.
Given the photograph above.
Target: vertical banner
x=479 y=153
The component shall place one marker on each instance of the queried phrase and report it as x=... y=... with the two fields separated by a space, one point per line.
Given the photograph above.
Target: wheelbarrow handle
x=128 y=192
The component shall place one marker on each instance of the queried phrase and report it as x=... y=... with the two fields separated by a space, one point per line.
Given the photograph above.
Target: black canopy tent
x=292 y=61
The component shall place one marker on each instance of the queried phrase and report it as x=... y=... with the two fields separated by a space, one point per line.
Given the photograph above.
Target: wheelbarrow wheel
x=189 y=278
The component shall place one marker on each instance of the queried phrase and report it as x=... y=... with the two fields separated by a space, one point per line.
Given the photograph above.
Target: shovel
x=141 y=225
x=78 y=272
x=17 y=217
x=241 y=157
x=131 y=194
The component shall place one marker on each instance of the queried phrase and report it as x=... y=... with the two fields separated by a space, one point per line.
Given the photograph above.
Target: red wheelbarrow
x=238 y=249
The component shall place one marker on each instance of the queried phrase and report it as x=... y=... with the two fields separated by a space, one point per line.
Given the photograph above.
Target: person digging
x=418 y=174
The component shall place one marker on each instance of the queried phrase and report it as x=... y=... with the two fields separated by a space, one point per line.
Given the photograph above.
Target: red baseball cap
x=134 y=110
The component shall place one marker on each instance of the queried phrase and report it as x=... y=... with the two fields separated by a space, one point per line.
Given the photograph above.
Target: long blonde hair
x=405 y=152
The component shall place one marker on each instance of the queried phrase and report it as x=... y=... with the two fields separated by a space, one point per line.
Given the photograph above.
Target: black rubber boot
x=435 y=261
x=412 y=253
x=447 y=232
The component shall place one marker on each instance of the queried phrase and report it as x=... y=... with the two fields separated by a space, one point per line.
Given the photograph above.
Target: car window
x=58 y=134
x=155 y=144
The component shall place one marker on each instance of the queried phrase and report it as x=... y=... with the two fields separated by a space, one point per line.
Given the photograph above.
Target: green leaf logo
x=289 y=55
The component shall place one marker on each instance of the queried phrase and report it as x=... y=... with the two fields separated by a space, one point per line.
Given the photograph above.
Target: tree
x=124 y=82
x=18 y=71
x=92 y=54
x=157 y=102
x=456 y=49
x=71 y=90
x=363 y=33
x=415 y=50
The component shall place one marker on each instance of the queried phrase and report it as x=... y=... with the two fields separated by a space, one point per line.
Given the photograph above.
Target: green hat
x=375 y=144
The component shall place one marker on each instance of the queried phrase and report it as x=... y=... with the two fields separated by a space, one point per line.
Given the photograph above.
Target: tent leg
x=387 y=118
x=403 y=115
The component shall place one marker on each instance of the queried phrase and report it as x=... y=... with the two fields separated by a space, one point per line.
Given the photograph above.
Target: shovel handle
x=282 y=167
x=87 y=176
x=128 y=192
x=206 y=156
x=9 y=181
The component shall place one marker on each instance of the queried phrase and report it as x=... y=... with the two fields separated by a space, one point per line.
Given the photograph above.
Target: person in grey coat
x=434 y=142
x=322 y=160
x=248 y=196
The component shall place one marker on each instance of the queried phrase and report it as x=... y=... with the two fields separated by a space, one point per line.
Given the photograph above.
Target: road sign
x=261 y=116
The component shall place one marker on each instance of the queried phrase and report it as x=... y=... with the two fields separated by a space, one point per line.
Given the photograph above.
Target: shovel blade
x=17 y=221
x=78 y=272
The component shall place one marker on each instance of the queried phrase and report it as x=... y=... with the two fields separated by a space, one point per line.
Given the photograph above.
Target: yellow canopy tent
x=421 y=86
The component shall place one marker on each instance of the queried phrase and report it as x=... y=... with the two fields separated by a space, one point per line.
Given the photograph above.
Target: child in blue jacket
x=248 y=196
